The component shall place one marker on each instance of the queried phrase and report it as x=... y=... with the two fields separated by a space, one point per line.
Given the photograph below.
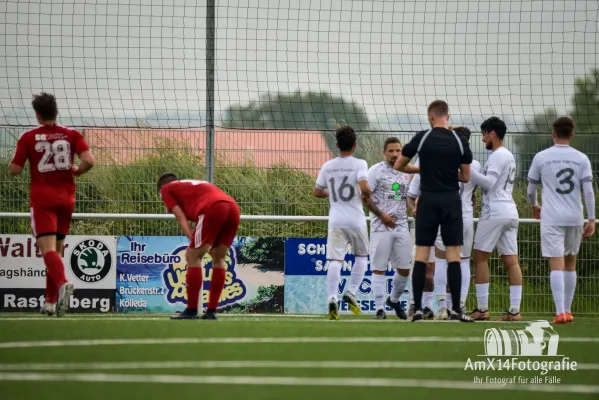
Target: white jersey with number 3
x=498 y=202
x=561 y=170
x=341 y=176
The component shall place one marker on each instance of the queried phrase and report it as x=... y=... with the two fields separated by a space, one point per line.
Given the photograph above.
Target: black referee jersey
x=441 y=152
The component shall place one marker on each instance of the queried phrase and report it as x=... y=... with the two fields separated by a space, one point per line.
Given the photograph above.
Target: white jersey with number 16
x=562 y=170
x=341 y=176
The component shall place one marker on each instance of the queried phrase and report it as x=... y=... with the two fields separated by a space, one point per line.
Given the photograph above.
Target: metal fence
x=269 y=172
x=536 y=296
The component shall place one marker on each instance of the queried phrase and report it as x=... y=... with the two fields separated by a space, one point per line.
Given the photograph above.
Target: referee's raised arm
x=442 y=153
x=407 y=153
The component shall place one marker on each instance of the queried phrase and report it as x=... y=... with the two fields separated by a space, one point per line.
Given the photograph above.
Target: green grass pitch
x=276 y=357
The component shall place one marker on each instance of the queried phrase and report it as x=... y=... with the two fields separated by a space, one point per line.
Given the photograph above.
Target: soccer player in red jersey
x=217 y=219
x=50 y=150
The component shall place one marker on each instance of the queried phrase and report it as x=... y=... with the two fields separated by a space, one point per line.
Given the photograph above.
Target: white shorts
x=559 y=241
x=500 y=233
x=394 y=247
x=339 y=238
x=468 y=234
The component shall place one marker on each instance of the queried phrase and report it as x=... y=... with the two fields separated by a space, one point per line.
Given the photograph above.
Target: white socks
x=378 y=289
x=569 y=288
x=440 y=278
x=427 y=299
x=333 y=276
x=515 y=298
x=399 y=285
x=465 y=267
x=357 y=274
x=444 y=299
x=557 y=288
x=482 y=296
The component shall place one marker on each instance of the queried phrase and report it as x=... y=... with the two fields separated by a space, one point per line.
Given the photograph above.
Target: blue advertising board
x=305 y=279
x=151 y=273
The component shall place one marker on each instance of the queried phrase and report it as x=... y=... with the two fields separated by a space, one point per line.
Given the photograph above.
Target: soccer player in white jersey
x=498 y=222
x=562 y=171
x=344 y=181
x=389 y=231
x=428 y=294
x=468 y=202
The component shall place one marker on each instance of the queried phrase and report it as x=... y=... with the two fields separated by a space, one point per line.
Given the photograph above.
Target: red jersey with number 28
x=194 y=197
x=50 y=150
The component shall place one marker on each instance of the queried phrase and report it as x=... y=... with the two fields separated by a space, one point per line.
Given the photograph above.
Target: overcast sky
x=106 y=61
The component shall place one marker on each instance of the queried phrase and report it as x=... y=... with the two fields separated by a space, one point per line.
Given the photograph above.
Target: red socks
x=216 y=287
x=51 y=290
x=55 y=273
x=194 y=286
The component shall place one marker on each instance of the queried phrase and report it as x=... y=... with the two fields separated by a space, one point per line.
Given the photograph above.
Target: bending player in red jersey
x=217 y=217
x=50 y=150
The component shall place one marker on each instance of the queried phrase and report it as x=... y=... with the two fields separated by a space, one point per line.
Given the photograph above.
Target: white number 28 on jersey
x=57 y=156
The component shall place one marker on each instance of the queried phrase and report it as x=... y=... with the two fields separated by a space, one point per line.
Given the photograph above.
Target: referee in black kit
x=442 y=153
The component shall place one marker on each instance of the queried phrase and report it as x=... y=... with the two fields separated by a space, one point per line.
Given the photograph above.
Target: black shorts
x=442 y=209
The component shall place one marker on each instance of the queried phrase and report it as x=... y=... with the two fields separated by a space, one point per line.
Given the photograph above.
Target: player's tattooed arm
x=412 y=205
x=182 y=220
x=366 y=191
x=385 y=218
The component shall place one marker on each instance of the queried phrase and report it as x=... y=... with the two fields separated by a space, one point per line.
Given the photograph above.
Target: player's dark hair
x=346 y=137
x=45 y=106
x=439 y=108
x=462 y=130
x=494 y=124
x=165 y=178
x=563 y=127
x=391 y=140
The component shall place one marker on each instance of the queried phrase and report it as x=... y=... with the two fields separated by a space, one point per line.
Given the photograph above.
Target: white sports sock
x=448 y=301
x=441 y=301
x=569 y=288
x=557 y=288
x=333 y=276
x=440 y=279
x=482 y=296
x=515 y=298
x=465 y=267
x=357 y=274
x=399 y=285
x=378 y=289
x=427 y=299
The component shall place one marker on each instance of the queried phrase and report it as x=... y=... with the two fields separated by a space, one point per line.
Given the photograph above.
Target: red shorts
x=218 y=225
x=53 y=220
